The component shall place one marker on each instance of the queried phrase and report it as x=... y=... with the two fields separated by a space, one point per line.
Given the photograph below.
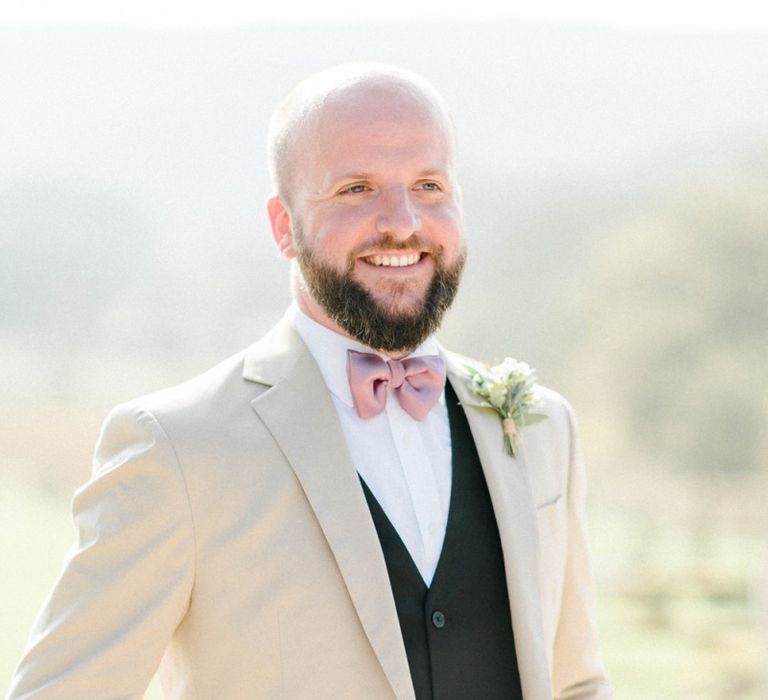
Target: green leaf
x=533 y=418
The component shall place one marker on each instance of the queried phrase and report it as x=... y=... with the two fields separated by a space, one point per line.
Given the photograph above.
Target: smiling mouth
x=393 y=260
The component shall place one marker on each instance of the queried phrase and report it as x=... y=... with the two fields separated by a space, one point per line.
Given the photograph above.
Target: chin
x=399 y=298
x=408 y=307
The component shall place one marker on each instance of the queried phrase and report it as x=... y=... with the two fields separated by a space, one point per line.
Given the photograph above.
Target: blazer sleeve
x=126 y=582
x=577 y=671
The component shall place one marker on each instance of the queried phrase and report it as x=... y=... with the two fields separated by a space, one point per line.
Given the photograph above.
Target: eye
x=355 y=189
x=430 y=186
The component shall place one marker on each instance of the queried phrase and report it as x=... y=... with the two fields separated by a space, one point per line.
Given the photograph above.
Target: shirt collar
x=329 y=350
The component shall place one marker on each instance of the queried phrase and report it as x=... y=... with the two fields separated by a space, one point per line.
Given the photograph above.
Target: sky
x=653 y=15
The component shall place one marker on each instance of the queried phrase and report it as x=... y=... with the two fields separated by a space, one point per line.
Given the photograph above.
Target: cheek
x=339 y=231
x=447 y=223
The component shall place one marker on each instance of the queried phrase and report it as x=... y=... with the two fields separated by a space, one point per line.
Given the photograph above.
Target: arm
x=577 y=671
x=127 y=581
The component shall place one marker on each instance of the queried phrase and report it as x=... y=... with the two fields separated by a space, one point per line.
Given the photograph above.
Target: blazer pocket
x=549 y=515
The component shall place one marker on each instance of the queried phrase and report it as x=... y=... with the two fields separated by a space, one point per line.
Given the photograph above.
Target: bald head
x=360 y=90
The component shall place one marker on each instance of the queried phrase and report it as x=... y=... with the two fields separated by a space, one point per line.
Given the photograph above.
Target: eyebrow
x=433 y=171
x=430 y=172
x=353 y=176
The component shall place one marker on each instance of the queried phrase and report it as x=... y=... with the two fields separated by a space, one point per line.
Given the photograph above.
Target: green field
x=676 y=617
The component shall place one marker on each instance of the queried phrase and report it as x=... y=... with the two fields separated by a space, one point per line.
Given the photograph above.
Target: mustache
x=413 y=242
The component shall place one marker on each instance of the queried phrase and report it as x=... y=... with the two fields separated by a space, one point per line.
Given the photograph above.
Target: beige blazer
x=224 y=536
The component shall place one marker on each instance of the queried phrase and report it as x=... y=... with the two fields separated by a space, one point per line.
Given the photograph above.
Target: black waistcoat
x=458 y=632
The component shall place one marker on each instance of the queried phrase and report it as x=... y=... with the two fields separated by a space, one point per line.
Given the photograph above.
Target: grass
x=675 y=614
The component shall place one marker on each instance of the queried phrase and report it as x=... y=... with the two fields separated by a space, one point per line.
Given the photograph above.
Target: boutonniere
x=507 y=389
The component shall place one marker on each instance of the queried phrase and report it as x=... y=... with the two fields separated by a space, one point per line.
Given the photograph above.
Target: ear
x=282 y=228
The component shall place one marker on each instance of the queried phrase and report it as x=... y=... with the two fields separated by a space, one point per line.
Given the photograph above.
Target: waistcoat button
x=438 y=619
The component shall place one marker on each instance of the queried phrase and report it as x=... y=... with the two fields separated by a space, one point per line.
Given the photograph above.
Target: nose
x=398 y=215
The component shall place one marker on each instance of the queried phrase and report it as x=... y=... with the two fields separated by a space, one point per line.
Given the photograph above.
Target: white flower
x=497 y=395
x=507 y=388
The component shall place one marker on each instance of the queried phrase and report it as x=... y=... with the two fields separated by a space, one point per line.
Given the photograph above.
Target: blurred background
x=615 y=170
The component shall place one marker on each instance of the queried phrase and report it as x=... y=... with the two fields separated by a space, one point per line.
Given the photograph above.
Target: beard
x=373 y=323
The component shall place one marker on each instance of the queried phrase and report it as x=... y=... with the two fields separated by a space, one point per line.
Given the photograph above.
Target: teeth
x=394 y=260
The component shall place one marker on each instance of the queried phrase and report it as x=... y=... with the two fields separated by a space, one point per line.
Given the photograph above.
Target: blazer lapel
x=515 y=512
x=299 y=413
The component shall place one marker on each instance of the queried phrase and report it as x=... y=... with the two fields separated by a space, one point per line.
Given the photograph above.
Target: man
x=316 y=517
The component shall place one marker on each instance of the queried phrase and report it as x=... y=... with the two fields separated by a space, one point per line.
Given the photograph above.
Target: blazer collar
x=272 y=358
x=299 y=413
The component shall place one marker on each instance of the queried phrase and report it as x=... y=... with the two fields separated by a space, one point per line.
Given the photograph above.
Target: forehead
x=375 y=121
x=386 y=99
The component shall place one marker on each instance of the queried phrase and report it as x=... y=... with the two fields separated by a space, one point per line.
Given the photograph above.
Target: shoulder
x=202 y=410
x=187 y=400
x=144 y=423
x=559 y=412
x=229 y=386
x=200 y=389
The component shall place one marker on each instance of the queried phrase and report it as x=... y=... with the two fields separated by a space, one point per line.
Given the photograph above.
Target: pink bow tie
x=417 y=381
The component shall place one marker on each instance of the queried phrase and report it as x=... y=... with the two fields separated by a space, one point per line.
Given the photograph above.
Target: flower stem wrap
x=510 y=435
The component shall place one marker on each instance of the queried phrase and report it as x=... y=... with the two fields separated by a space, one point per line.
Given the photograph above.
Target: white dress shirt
x=404 y=462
